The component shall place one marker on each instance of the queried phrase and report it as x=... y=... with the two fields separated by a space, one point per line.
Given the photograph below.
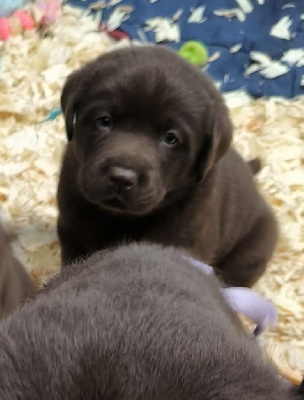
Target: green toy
x=195 y=52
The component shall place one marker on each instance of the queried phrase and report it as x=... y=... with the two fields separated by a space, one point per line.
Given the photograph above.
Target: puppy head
x=145 y=127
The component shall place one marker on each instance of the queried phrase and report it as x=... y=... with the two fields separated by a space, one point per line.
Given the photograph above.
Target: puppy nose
x=123 y=178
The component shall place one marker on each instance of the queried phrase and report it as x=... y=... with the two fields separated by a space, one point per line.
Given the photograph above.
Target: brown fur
x=15 y=283
x=123 y=182
x=135 y=323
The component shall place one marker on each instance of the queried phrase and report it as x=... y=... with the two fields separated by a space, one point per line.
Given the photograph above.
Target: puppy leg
x=71 y=248
x=245 y=264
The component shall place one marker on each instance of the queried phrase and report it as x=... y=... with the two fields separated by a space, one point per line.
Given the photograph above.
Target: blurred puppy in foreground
x=139 y=322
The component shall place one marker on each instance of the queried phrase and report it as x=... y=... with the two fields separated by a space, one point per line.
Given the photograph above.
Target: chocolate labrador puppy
x=148 y=158
x=135 y=323
x=15 y=283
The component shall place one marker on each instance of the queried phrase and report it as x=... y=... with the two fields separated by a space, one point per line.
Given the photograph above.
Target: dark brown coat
x=136 y=323
x=15 y=282
x=148 y=159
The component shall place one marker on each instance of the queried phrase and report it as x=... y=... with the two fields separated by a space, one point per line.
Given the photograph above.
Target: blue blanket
x=221 y=34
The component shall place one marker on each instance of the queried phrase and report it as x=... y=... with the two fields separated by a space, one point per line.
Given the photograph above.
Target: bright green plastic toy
x=195 y=52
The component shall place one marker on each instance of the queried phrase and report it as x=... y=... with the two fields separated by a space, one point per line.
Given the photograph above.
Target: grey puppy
x=133 y=323
x=15 y=282
x=148 y=159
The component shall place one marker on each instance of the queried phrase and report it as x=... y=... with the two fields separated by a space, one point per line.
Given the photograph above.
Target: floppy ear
x=68 y=103
x=217 y=138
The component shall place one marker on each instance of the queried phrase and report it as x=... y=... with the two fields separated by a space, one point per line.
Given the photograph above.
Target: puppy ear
x=68 y=103
x=217 y=139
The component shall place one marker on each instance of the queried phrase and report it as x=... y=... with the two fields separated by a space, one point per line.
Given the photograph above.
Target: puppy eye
x=105 y=121
x=170 y=139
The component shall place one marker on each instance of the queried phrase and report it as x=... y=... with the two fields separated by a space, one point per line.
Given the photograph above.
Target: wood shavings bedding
x=274 y=130
x=32 y=75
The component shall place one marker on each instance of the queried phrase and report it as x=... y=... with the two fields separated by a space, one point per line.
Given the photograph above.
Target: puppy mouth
x=137 y=200
x=129 y=202
x=115 y=204
x=119 y=205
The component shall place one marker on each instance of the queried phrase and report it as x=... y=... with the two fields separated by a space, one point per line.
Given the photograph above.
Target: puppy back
x=133 y=323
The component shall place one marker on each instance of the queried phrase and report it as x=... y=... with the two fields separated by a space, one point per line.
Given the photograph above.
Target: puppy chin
x=127 y=204
x=116 y=206
x=138 y=202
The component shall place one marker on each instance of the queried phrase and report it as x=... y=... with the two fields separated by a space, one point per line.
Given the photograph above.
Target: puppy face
x=145 y=127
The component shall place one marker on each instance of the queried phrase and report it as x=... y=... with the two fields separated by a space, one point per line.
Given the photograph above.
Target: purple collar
x=244 y=301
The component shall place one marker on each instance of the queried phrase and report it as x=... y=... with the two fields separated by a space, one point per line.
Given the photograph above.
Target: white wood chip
x=288 y=5
x=176 y=16
x=274 y=70
x=261 y=58
x=55 y=74
x=32 y=239
x=237 y=98
x=229 y=14
x=281 y=29
x=235 y=48
x=47 y=165
x=164 y=29
x=215 y=56
x=245 y=5
x=12 y=169
x=119 y=15
x=98 y=5
x=296 y=357
x=197 y=15
x=294 y=56
x=252 y=68
x=268 y=68
x=112 y=3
